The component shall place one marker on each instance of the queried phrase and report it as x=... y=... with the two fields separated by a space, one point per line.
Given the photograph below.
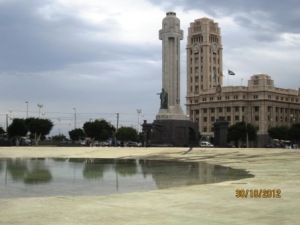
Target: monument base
x=172 y=113
x=177 y=133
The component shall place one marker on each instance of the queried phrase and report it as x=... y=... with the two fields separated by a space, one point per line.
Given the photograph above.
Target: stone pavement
x=199 y=204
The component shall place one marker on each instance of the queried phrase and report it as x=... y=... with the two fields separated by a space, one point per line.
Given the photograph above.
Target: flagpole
x=227 y=79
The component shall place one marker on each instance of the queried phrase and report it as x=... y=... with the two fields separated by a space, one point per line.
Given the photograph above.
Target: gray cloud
x=283 y=14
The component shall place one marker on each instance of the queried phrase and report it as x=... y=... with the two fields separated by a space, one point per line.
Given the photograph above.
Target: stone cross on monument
x=170 y=34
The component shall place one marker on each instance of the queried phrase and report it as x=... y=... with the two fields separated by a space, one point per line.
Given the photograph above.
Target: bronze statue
x=163 y=99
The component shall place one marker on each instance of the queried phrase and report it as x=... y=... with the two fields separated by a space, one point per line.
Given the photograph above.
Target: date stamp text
x=258 y=193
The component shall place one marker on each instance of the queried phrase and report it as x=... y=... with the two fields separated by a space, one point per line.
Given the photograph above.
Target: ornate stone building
x=259 y=103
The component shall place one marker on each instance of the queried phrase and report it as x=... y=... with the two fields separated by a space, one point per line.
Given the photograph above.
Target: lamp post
x=139 y=111
x=26 y=109
x=75 y=118
x=40 y=106
x=291 y=120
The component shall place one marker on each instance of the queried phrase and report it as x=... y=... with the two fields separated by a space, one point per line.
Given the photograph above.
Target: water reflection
x=47 y=177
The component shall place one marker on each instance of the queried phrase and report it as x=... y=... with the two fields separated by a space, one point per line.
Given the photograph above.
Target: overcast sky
x=104 y=57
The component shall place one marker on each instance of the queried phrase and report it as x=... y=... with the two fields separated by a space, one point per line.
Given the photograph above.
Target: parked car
x=104 y=143
x=132 y=144
x=206 y=144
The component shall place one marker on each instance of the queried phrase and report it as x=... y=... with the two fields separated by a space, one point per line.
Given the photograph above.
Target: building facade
x=259 y=103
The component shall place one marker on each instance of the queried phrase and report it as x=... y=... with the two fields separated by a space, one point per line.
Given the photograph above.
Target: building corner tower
x=204 y=59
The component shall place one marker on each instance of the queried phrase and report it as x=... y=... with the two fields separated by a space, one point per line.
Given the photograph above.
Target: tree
x=2 y=131
x=76 y=134
x=17 y=129
x=126 y=134
x=98 y=130
x=294 y=132
x=238 y=132
x=279 y=132
x=38 y=127
x=59 y=137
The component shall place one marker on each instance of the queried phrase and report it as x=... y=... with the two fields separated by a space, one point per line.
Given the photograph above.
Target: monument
x=171 y=127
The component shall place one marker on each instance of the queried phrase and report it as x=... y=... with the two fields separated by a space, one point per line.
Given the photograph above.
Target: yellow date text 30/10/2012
x=258 y=193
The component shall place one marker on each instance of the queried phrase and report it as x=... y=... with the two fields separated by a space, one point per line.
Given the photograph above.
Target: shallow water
x=37 y=177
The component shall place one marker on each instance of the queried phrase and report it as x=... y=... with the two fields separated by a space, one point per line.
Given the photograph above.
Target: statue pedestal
x=221 y=132
x=171 y=132
x=172 y=113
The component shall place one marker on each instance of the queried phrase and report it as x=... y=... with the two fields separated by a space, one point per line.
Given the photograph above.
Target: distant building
x=260 y=103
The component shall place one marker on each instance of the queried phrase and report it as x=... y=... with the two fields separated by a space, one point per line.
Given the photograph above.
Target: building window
x=219 y=98
x=204 y=99
x=256 y=108
x=236 y=108
x=228 y=118
x=227 y=97
x=204 y=119
x=212 y=110
x=211 y=98
x=269 y=108
x=228 y=109
x=236 y=118
x=236 y=97
x=220 y=110
x=204 y=129
x=255 y=96
x=204 y=110
x=256 y=118
x=212 y=119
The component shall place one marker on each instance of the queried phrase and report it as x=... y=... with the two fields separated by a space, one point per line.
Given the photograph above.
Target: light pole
x=26 y=109
x=139 y=111
x=75 y=118
x=40 y=106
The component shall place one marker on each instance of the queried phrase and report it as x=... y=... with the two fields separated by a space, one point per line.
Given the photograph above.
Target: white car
x=206 y=144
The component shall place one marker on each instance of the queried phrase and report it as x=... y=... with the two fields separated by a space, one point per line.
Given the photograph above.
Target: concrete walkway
x=199 y=204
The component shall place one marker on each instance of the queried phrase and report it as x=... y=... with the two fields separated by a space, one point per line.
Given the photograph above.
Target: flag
x=230 y=72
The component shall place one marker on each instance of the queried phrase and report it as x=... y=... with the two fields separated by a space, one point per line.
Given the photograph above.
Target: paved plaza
x=274 y=169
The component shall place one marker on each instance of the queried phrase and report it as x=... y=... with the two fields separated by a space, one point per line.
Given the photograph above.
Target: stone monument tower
x=170 y=34
x=171 y=127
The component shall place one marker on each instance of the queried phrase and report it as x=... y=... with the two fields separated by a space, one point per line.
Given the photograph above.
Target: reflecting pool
x=37 y=177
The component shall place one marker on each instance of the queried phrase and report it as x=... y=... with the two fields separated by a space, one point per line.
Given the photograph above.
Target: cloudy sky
x=104 y=57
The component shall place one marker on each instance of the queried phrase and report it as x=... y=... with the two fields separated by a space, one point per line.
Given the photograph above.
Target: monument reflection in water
x=51 y=177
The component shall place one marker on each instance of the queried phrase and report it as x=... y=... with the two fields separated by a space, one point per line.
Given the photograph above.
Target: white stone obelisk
x=170 y=34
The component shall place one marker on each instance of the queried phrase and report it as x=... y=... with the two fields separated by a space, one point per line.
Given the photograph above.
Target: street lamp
x=75 y=118
x=40 y=106
x=139 y=111
x=26 y=109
